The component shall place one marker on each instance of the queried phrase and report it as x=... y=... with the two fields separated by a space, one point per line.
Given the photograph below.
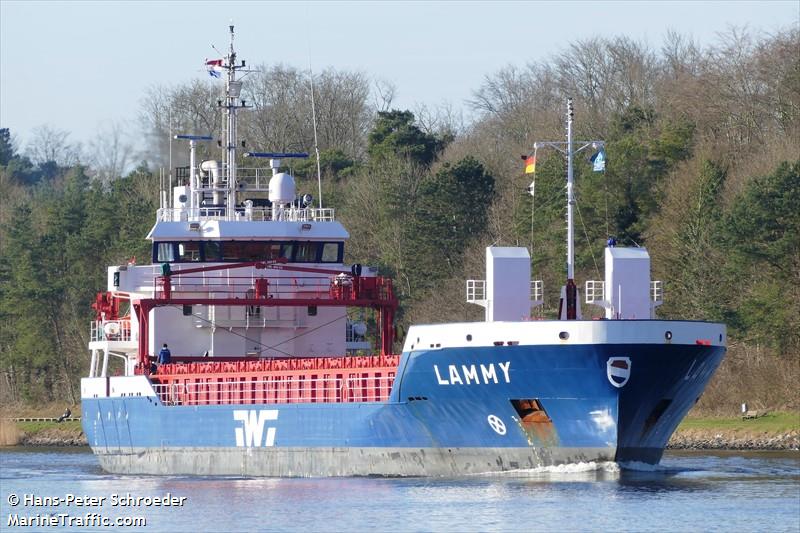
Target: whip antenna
x=314 y=121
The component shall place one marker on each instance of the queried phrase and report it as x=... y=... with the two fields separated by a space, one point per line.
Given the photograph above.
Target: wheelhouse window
x=306 y=252
x=238 y=251
x=212 y=251
x=330 y=252
x=189 y=252
x=287 y=251
x=250 y=251
x=165 y=252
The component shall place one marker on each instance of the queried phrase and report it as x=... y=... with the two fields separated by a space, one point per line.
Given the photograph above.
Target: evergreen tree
x=28 y=351
x=6 y=148
x=643 y=150
x=451 y=210
x=691 y=254
x=761 y=235
x=396 y=134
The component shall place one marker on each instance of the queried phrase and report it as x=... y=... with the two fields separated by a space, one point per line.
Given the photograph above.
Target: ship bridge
x=213 y=219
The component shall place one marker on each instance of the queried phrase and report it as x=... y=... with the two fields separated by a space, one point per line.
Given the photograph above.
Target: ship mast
x=233 y=89
x=569 y=303
x=570 y=199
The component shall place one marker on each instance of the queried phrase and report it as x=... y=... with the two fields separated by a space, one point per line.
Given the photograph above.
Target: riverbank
x=67 y=433
x=40 y=432
x=771 y=431
x=727 y=440
x=774 y=431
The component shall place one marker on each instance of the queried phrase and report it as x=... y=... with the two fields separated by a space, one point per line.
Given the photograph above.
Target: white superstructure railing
x=537 y=290
x=110 y=330
x=595 y=291
x=476 y=290
x=657 y=292
x=253 y=178
x=250 y=179
x=246 y=214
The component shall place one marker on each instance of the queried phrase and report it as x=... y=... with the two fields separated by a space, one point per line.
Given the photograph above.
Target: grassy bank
x=779 y=422
x=748 y=375
x=773 y=431
x=40 y=433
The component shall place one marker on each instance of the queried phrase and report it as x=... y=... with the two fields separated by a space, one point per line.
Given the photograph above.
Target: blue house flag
x=599 y=161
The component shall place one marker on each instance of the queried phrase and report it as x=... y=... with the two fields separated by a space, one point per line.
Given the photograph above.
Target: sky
x=81 y=66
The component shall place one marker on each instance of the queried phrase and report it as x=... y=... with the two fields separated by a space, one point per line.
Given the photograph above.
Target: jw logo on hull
x=251 y=434
x=618 y=370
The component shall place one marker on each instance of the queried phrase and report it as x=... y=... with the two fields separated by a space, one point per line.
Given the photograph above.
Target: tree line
x=702 y=168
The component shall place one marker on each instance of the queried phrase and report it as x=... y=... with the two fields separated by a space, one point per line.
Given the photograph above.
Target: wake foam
x=566 y=471
x=638 y=466
x=576 y=468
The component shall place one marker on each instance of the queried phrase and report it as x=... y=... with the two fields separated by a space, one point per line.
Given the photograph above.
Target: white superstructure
x=217 y=215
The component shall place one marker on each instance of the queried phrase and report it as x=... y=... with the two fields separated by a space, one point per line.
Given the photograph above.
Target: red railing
x=270 y=381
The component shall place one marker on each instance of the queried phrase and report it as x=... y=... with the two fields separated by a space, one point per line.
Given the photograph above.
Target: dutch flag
x=214 y=67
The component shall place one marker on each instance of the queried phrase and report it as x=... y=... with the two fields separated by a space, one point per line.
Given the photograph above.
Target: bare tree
x=278 y=117
x=281 y=118
x=508 y=89
x=384 y=92
x=680 y=56
x=51 y=144
x=741 y=93
x=190 y=108
x=443 y=121
x=111 y=151
x=607 y=75
x=342 y=111
x=275 y=121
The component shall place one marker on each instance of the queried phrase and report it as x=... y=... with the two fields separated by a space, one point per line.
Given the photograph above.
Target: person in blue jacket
x=164 y=356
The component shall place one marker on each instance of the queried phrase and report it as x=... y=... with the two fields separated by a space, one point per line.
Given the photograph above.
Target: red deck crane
x=346 y=289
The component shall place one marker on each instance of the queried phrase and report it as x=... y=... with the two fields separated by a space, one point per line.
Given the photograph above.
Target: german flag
x=530 y=164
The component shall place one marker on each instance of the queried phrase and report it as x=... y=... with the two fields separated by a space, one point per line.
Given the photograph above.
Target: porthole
x=563 y=335
x=469 y=337
x=668 y=335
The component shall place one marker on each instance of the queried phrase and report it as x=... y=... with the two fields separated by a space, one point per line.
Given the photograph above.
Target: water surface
x=689 y=491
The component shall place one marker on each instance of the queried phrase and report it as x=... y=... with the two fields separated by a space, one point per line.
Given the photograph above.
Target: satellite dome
x=281 y=188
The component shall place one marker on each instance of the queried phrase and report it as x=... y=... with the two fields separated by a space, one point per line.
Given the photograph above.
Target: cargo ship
x=249 y=348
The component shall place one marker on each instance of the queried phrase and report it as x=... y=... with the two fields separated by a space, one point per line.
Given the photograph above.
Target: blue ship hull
x=451 y=411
